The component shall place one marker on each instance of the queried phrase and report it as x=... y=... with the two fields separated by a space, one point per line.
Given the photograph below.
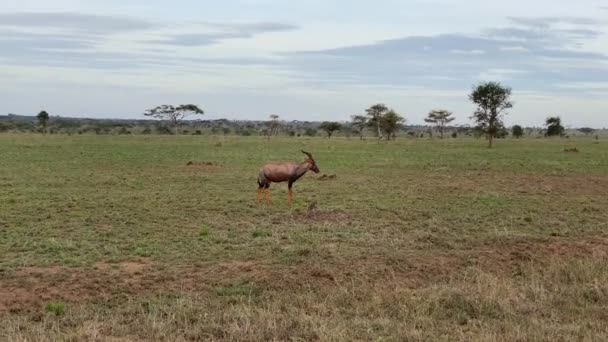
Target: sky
x=304 y=60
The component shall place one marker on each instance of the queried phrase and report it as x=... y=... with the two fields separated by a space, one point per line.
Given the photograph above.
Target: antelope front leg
x=259 y=195
x=267 y=192
x=289 y=193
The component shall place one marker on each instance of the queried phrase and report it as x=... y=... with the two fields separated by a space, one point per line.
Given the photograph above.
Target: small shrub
x=261 y=233
x=237 y=290
x=455 y=135
x=164 y=130
x=310 y=132
x=517 y=131
x=204 y=233
x=57 y=309
x=197 y=132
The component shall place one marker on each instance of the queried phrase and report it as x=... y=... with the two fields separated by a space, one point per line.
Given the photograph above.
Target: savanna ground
x=160 y=238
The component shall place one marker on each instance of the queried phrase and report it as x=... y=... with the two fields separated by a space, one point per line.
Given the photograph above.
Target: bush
x=455 y=135
x=56 y=309
x=198 y=132
x=502 y=133
x=164 y=130
x=310 y=132
x=518 y=131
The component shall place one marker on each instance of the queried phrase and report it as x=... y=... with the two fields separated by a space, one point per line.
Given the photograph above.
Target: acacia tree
x=440 y=118
x=554 y=126
x=330 y=127
x=174 y=114
x=391 y=122
x=273 y=125
x=586 y=130
x=492 y=100
x=375 y=114
x=517 y=131
x=43 y=120
x=359 y=122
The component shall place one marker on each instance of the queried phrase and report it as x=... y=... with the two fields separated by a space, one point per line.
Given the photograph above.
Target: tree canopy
x=43 y=120
x=359 y=122
x=517 y=131
x=330 y=127
x=174 y=114
x=440 y=118
x=554 y=126
x=391 y=122
x=375 y=114
x=492 y=100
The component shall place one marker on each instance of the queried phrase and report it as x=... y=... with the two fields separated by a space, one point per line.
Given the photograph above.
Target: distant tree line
x=380 y=121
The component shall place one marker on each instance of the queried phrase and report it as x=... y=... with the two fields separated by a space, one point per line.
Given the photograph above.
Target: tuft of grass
x=57 y=309
x=203 y=233
x=261 y=233
x=237 y=290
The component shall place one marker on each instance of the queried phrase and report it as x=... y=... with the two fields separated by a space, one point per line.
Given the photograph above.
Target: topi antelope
x=286 y=172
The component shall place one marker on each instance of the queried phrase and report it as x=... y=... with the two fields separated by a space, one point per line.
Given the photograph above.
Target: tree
x=174 y=114
x=492 y=100
x=273 y=125
x=310 y=132
x=391 y=122
x=440 y=118
x=586 y=130
x=330 y=127
x=359 y=122
x=517 y=131
x=375 y=114
x=554 y=126
x=43 y=120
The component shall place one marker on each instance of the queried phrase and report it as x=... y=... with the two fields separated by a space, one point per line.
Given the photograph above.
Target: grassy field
x=118 y=238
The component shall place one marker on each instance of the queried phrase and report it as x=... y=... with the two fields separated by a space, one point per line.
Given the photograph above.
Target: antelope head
x=311 y=162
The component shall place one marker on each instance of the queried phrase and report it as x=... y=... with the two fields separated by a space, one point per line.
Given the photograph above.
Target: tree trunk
x=378 y=125
x=441 y=131
x=490 y=137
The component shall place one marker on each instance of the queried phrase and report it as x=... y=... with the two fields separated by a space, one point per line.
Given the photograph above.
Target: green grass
x=418 y=239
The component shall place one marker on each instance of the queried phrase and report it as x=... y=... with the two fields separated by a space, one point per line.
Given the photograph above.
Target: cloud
x=222 y=31
x=544 y=56
x=547 y=22
x=77 y=40
x=74 y=22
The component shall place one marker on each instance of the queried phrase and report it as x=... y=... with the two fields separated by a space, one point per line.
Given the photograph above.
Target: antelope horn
x=308 y=154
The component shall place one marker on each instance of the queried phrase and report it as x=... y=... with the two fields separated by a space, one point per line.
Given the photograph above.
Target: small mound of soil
x=571 y=150
x=325 y=177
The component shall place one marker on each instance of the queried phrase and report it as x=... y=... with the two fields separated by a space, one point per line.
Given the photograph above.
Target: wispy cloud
x=217 y=32
x=536 y=48
x=74 y=22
